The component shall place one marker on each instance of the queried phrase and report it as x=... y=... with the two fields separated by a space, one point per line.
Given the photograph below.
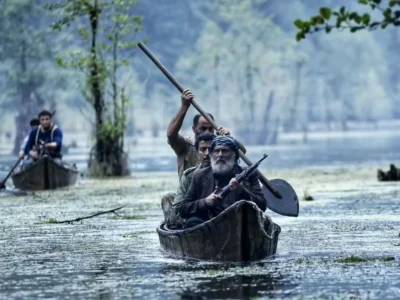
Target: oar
x=2 y=185
x=281 y=198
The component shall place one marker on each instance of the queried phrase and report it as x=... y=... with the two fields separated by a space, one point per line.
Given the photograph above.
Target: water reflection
x=239 y=287
x=231 y=280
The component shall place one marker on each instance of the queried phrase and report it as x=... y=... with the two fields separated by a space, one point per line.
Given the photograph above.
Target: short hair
x=34 y=122
x=205 y=136
x=197 y=117
x=45 y=113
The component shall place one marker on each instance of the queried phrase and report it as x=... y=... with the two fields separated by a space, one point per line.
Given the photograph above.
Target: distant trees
x=26 y=51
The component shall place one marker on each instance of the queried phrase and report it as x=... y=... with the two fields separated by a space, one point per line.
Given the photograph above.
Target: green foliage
x=28 y=80
x=351 y=20
x=109 y=33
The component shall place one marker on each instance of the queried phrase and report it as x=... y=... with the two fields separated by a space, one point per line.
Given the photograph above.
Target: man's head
x=45 y=119
x=201 y=125
x=34 y=123
x=203 y=146
x=224 y=154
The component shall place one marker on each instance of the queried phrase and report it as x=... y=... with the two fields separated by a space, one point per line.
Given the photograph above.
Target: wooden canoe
x=45 y=174
x=240 y=233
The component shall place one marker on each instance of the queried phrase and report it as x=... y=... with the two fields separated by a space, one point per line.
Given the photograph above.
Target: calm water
x=111 y=258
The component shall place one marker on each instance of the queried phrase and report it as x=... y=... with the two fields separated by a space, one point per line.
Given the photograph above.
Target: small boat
x=239 y=233
x=45 y=174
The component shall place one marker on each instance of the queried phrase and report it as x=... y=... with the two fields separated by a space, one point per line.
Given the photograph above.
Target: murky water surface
x=108 y=257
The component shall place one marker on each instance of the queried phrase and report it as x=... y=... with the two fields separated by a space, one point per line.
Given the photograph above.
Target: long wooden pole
x=3 y=183
x=171 y=78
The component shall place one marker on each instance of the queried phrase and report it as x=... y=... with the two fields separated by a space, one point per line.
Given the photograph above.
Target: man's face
x=222 y=160
x=45 y=122
x=202 y=126
x=204 y=153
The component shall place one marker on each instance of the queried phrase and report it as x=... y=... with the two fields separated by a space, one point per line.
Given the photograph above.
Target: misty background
x=242 y=62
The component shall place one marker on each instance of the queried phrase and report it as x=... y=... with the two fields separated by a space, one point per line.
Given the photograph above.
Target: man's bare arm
x=176 y=123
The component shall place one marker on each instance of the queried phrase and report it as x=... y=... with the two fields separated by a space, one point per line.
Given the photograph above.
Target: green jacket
x=184 y=184
x=173 y=219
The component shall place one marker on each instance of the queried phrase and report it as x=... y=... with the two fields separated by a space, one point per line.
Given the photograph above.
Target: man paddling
x=184 y=146
x=46 y=135
x=171 y=202
x=202 y=201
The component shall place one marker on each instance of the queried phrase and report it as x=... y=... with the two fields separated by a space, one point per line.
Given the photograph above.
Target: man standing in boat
x=47 y=137
x=184 y=146
x=202 y=201
x=171 y=202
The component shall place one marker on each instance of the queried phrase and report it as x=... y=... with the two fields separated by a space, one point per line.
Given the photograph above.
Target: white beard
x=222 y=167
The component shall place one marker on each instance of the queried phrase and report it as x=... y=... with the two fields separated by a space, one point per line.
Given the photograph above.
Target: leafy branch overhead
x=343 y=19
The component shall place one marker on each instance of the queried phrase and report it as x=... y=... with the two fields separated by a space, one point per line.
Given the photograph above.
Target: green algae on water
x=136 y=234
x=351 y=259
x=49 y=221
x=307 y=196
x=127 y=218
x=357 y=259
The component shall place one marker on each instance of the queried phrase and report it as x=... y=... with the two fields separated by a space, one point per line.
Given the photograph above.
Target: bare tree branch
x=91 y=216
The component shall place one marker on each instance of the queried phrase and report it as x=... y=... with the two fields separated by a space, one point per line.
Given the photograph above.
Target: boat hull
x=45 y=174
x=240 y=233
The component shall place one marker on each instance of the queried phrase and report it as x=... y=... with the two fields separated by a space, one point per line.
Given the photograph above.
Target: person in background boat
x=171 y=202
x=34 y=123
x=202 y=201
x=46 y=135
x=184 y=147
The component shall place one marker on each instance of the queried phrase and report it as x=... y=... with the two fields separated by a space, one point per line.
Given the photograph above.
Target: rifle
x=242 y=176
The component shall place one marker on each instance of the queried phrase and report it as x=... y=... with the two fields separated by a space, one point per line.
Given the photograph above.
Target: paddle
x=281 y=197
x=2 y=185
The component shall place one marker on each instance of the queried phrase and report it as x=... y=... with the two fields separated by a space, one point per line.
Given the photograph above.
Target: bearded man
x=202 y=201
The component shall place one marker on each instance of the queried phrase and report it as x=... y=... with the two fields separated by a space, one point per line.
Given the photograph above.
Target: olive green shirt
x=173 y=219
x=186 y=151
x=184 y=184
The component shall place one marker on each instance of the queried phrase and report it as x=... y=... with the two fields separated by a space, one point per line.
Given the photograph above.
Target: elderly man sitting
x=202 y=201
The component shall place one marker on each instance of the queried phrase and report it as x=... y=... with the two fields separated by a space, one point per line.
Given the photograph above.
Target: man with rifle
x=203 y=200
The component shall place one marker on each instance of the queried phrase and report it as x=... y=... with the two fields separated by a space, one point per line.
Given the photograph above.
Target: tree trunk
x=107 y=157
x=291 y=122
x=26 y=108
x=267 y=131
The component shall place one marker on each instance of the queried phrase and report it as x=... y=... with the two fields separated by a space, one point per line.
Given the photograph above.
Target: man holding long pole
x=280 y=195
x=184 y=146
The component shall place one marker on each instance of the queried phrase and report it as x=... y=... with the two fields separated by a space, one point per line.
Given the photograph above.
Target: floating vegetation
x=212 y=272
x=136 y=234
x=49 y=221
x=127 y=218
x=307 y=196
x=357 y=259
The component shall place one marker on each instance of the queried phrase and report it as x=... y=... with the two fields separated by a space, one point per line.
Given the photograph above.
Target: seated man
x=47 y=137
x=171 y=213
x=202 y=201
x=34 y=123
